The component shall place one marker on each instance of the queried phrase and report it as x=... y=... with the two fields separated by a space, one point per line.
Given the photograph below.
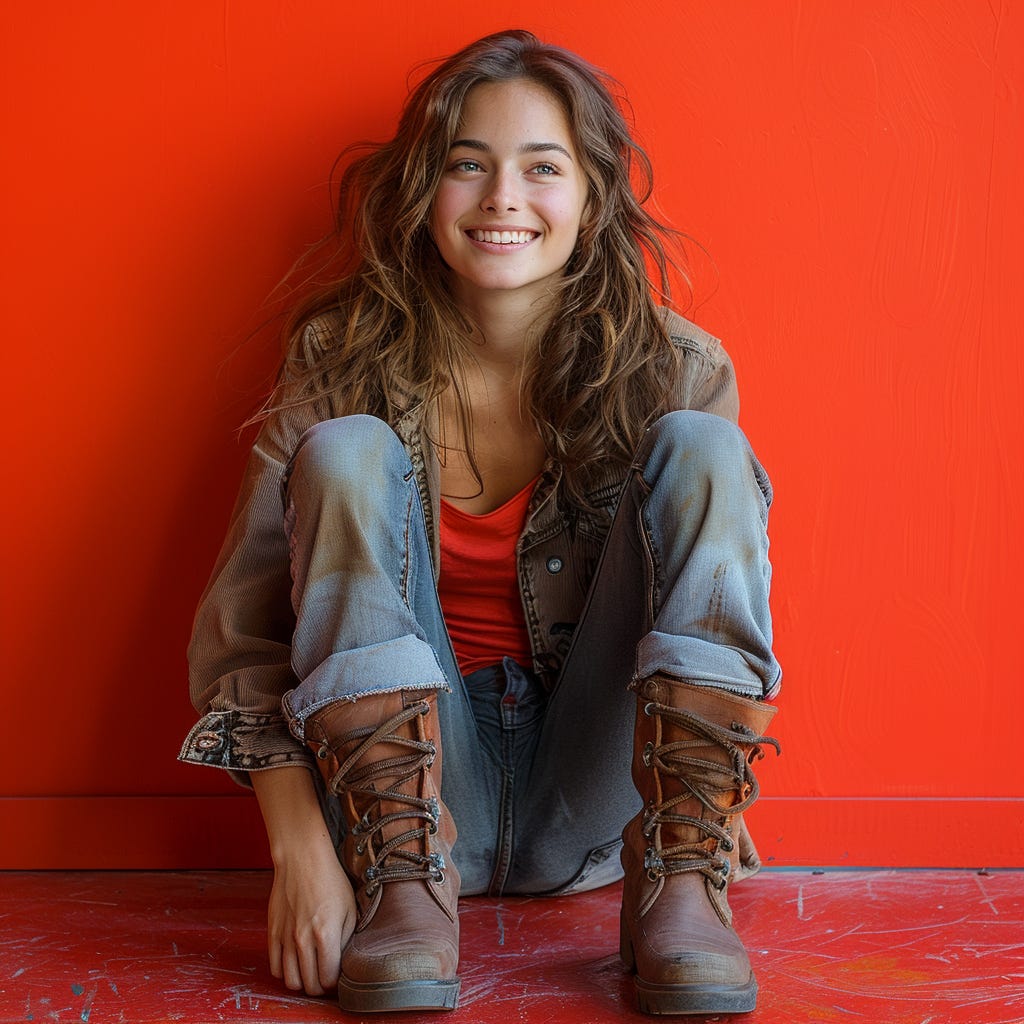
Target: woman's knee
x=692 y=433
x=353 y=452
x=691 y=444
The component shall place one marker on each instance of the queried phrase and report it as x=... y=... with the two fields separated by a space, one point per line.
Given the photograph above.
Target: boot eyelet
x=653 y=863
x=649 y=708
x=360 y=848
x=324 y=752
x=645 y=754
x=437 y=867
x=649 y=822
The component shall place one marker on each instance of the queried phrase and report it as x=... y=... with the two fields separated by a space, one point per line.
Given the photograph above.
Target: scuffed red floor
x=884 y=947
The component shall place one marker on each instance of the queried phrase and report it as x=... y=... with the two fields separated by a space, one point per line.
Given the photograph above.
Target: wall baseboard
x=211 y=832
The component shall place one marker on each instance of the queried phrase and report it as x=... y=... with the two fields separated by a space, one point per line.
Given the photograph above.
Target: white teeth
x=503 y=237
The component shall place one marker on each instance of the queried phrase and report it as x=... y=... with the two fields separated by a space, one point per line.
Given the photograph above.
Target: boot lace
x=393 y=862
x=707 y=781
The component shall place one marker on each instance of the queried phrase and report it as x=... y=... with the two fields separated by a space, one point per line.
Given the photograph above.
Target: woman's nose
x=502 y=193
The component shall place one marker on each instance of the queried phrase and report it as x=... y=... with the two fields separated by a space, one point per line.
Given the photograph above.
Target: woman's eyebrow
x=526 y=147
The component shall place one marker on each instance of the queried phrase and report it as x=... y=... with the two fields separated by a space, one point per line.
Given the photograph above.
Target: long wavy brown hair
x=602 y=367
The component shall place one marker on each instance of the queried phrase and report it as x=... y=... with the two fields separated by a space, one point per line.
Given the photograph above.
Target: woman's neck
x=505 y=324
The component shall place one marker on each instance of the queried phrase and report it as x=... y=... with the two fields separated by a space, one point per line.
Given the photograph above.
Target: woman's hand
x=311 y=916
x=312 y=911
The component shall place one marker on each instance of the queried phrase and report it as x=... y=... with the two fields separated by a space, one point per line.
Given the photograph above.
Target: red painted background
x=852 y=168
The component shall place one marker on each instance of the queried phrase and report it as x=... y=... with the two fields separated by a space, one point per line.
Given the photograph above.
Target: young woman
x=498 y=508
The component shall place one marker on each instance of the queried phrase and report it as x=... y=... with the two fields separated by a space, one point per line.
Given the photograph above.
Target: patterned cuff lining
x=243 y=742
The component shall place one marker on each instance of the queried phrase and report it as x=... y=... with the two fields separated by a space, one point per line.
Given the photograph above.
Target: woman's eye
x=467 y=166
x=545 y=169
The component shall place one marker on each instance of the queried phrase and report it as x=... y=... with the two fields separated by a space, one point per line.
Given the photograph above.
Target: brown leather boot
x=381 y=756
x=693 y=751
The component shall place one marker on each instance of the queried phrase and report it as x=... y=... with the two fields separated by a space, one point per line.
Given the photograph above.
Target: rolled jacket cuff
x=240 y=742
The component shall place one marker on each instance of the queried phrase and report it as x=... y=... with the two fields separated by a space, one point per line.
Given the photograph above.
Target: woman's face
x=507 y=211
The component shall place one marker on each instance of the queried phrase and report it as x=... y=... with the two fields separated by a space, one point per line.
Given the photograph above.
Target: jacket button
x=554 y=565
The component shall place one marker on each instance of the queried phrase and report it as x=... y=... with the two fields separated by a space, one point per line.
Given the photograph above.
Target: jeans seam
x=654 y=587
x=506 y=805
x=406 y=542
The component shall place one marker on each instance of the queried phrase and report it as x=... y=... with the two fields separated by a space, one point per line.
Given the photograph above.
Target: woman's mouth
x=502 y=237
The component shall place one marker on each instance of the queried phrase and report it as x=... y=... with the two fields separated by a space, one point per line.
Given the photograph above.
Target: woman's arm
x=708 y=381
x=312 y=910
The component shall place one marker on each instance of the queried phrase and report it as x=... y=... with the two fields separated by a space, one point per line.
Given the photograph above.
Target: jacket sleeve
x=240 y=652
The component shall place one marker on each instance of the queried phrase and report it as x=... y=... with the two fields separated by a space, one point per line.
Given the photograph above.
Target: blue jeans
x=538 y=783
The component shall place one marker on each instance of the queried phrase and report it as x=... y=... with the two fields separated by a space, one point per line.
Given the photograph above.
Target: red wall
x=853 y=169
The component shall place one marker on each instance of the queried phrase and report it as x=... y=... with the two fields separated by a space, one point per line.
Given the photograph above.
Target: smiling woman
x=506 y=222
x=520 y=526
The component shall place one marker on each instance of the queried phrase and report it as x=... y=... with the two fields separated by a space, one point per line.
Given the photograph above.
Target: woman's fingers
x=274 y=955
x=291 y=968
x=306 y=954
x=329 y=943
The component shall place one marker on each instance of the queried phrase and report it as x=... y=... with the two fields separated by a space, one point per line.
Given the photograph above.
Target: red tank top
x=478 y=586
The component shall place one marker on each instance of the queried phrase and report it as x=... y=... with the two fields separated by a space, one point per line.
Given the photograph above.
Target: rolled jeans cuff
x=406 y=663
x=701 y=662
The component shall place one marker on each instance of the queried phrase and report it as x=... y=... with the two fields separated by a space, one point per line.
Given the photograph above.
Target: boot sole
x=695 y=999
x=381 y=997
x=682 y=1000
